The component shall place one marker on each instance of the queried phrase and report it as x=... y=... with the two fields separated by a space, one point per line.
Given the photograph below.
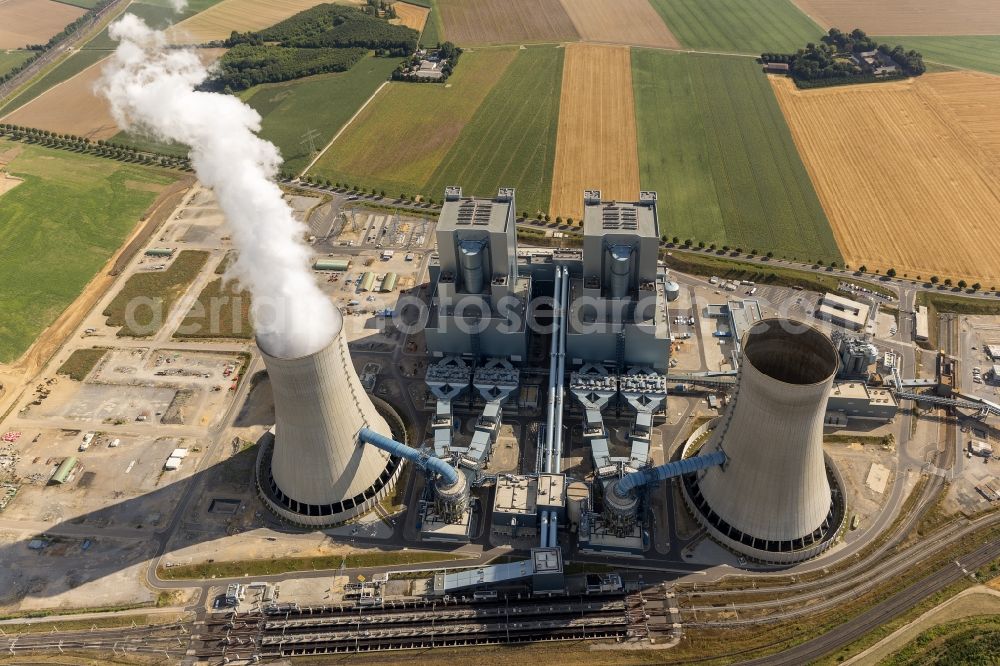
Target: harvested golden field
x=596 y=143
x=903 y=180
x=218 y=21
x=24 y=22
x=907 y=17
x=973 y=99
x=412 y=16
x=505 y=21
x=621 y=22
x=70 y=108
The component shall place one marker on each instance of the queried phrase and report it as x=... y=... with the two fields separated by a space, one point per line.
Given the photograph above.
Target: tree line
x=248 y=65
x=108 y=149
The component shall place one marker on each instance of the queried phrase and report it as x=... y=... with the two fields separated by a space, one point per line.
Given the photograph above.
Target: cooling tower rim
x=338 y=329
x=821 y=340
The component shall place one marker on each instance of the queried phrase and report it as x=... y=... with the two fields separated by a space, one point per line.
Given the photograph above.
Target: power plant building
x=479 y=302
x=617 y=305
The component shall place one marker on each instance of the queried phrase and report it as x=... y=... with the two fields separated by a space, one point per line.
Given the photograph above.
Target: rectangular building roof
x=458 y=212
x=515 y=494
x=838 y=308
x=620 y=217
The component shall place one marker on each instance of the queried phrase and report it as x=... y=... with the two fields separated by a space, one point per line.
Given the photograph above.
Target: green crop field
x=323 y=103
x=408 y=129
x=714 y=145
x=146 y=298
x=737 y=25
x=155 y=15
x=70 y=67
x=85 y=4
x=11 y=59
x=980 y=52
x=511 y=141
x=58 y=228
x=433 y=32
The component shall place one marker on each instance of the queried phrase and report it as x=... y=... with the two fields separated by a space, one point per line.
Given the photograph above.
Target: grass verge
x=232 y=569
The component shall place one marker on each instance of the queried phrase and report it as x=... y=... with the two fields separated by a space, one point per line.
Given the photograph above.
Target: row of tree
x=339 y=27
x=109 y=149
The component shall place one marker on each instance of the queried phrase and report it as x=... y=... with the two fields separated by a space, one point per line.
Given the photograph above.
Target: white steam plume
x=151 y=89
x=178 y=5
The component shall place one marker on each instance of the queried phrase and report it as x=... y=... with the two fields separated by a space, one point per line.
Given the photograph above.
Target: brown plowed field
x=70 y=108
x=906 y=181
x=596 y=145
x=907 y=17
x=619 y=22
x=24 y=22
x=218 y=21
x=505 y=21
x=412 y=16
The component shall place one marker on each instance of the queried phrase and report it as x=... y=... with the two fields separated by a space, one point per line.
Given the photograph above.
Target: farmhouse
x=776 y=67
x=880 y=64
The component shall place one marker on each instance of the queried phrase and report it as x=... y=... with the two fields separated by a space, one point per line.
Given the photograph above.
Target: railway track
x=335 y=630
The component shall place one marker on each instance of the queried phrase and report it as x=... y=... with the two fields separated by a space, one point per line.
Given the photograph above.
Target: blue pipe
x=669 y=470
x=422 y=460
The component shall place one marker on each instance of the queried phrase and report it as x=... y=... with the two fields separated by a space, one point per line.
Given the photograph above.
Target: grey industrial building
x=617 y=304
x=479 y=301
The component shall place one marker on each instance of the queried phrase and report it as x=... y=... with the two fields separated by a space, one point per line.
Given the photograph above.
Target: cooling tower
x=776 y=498
x=320 y=474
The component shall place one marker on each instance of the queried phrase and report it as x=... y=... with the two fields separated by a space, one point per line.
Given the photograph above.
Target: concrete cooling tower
x=776 y=498
x=318 y=472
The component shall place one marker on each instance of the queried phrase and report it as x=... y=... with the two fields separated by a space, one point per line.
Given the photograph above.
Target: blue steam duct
x=669 y=471
x=422 y=460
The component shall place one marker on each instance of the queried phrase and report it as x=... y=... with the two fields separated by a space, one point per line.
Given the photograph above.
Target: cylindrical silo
x=772 y=497
x=320 y=474
x=673 y=290
x=470 y=256
x=621 y=270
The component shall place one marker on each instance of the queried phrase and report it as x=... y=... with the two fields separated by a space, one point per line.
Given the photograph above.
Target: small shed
x=332 y=265
x=160 y=252
x=389 y=283
x=172 y=464
x=367 y=281
x=65 y=468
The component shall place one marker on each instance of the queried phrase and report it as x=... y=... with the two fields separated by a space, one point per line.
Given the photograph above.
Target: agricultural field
x=596 y=145
x=11 y=59
x=907 y=17
x=68 y=68
x=433 y=29
x=163 y=288
x=979 y=52
x=404 y=134
x=412 y=16
x=85 y=4
x=61 y=225
x=738 y=26
x=219 y=20
x=511 y=140
x=505 y=21
x=24 y=22
x=70 y=107
x=621 y=22
x=926 y=196
x=156 y=15
x=323 y=103
x=716 y=149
